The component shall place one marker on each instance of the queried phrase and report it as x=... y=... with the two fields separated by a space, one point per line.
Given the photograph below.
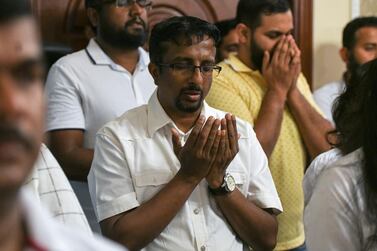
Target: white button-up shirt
x=134 y=159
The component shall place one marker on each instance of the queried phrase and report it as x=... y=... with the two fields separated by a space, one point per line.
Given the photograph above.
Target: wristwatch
x=226 y=187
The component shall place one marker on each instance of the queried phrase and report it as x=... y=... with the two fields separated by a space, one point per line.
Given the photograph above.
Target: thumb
x=176 y=142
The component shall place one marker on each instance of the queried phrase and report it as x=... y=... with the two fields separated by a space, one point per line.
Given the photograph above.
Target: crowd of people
x=211 y=140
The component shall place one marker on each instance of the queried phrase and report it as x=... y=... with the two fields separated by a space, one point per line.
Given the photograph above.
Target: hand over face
x=282 y=70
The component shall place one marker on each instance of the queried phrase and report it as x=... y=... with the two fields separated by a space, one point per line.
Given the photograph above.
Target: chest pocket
x=148 y=184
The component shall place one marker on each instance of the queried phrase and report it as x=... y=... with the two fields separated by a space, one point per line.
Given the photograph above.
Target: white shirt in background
x=326 y=95
x=134 y=159
x=334 y=214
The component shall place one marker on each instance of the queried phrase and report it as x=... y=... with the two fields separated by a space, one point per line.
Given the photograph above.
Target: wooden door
x=64 y=24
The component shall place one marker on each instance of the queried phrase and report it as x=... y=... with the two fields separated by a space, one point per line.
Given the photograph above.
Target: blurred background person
x=229 y=41
x=340 y=185
x=358 y=47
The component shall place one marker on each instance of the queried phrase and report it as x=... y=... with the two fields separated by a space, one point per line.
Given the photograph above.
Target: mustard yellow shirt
x=240 y=90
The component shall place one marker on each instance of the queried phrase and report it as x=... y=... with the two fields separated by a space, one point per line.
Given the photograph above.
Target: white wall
x=329 y=16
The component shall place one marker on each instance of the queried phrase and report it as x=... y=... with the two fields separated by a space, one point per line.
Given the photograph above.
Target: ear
x=243 y=33
x=344 y=54
x=92 y=16
x=154 y=70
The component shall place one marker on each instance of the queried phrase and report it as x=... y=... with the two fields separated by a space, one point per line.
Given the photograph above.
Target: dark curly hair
x=355 y=116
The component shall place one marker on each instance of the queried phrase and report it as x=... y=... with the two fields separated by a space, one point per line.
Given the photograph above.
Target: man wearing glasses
x=176 y=174
x=93 y=86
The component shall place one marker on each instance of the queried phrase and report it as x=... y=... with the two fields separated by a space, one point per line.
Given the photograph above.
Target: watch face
x=230 y=183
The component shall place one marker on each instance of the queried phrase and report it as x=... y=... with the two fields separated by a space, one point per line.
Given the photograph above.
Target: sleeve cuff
x=116 y=206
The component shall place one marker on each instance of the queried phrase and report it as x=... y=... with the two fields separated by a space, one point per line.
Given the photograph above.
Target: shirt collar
x=99 y=57
x=158 y=118
x=237 y=65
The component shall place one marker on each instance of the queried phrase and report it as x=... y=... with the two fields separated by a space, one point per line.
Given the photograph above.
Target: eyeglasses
x=128 y=3
x=188 y=69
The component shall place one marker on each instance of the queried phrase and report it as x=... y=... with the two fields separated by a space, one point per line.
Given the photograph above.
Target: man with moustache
x=264 y=86
x=93 y=86
x=23 y=224
x=176 y=174
x=359 y=46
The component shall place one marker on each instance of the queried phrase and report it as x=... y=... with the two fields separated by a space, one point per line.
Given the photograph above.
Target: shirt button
x=203 y=248
x=196 y=211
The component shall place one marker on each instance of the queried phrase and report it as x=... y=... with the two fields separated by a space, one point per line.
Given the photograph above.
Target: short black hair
x=225 y=26
x=249 y=12
x=92 y=3
x=349 y=32
x=175 y=29
x=11 y=9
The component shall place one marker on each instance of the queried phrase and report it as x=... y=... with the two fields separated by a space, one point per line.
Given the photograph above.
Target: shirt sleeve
x=224 y=96
x=261 y=190
x=330 y=218
x=64 y=101
x=110 y=183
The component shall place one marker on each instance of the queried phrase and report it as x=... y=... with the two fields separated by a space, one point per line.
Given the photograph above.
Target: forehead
x=198 y=49
x=278 y=22
x=19 y=40
x=366 y=35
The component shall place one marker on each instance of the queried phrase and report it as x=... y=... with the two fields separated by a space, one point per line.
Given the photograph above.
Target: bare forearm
x=268 y=124
x=76 y=163
x=137 y=228
x=313 y=127
x=252 y=224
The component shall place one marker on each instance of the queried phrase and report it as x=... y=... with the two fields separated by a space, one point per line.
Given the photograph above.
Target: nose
x=197 y=76
x=136 y=9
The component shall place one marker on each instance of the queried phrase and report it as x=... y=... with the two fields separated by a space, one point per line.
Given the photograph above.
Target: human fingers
x=203 y=135
x=195 y=131
x=176 y=141
x=278 y=50
x=232 y=135
x=224 y=126
x=289 y=51
x=237 y=135
x=211 y=137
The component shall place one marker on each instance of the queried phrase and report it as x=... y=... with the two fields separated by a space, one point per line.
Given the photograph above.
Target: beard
x=257 y=54
x=191 y=106
x=124 y=38
x=353 y=67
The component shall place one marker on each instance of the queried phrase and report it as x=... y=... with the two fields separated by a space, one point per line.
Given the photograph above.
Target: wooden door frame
x=303 y=23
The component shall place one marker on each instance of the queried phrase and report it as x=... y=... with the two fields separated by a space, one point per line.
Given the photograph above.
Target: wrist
x=277 y=96
x=215 y=181
x=189 y=179
x=227 y=186
x=293 y=93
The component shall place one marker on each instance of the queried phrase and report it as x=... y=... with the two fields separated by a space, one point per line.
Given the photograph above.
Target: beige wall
x=329 y=19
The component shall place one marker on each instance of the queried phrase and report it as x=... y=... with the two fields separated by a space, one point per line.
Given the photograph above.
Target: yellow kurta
x=240 y=91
